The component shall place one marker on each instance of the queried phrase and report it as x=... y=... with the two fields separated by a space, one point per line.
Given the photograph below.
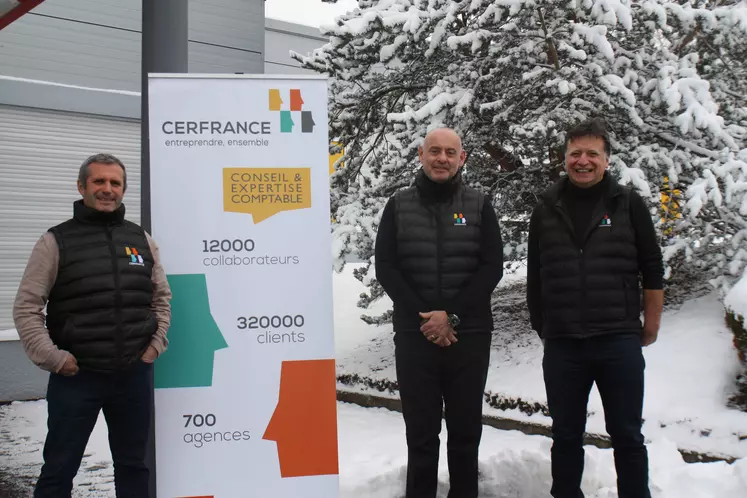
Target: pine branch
x=690 y=37
x=506 y=160
x=727 y=66
x=552 y=54
x=687 y=145
x=732 y=93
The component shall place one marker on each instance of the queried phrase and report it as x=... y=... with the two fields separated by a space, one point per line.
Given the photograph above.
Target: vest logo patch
x=606 y=221
x=459 y=219
x=135 y=258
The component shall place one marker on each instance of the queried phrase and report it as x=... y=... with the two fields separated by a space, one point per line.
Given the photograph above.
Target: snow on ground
x=23 y=427
x=690 y=371
x=736 y=299
x=350 y=331
x=373 y=460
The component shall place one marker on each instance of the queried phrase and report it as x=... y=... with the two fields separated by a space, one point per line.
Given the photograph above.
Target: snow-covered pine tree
x=669 y=78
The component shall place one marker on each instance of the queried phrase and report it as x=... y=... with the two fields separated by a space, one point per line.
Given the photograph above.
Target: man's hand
x=150 y=355
x=649 y=335
x=436 y=328
x=653 y=304
x=70 y=367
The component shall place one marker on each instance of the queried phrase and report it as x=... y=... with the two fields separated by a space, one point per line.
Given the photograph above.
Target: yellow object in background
x=670 y=206
x=670 y=201
x=334 y=157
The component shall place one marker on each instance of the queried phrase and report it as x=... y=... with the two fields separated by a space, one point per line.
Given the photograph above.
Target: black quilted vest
x=591 y=289
x=438 y=247
x=99 y=307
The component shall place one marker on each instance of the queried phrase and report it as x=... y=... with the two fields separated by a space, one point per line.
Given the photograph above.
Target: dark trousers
x=74 y=404
x=616 y=364
x=431 y=377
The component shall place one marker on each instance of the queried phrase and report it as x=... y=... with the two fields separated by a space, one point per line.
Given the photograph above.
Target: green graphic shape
x=194 y=337
x=286 y=122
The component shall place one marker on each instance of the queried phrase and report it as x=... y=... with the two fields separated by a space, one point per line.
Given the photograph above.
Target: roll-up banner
x=245 y=394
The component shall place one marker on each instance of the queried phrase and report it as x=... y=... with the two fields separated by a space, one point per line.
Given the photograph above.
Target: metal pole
x=164 y=50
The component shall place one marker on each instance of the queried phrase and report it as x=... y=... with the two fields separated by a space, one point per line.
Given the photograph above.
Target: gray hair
x=84 y=171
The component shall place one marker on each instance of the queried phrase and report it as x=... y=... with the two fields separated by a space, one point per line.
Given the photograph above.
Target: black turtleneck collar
x=437 y=192
x=85 y=214
x=580 y=204
x=593 y=192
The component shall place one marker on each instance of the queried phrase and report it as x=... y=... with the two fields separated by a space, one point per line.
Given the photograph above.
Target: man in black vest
x=107 y=315
x=589 y=240
x=439 y=256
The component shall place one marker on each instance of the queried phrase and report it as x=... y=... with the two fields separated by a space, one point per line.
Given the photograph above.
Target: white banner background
x=187 y=207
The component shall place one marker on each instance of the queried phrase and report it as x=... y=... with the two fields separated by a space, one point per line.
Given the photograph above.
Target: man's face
x=104 y=187
x=441 y=155
x=586 y=161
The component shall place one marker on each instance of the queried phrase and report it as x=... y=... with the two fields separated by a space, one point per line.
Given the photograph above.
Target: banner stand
x=245 y=400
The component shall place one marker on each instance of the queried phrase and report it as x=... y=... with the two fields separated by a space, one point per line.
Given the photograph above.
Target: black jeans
x=430 y=377
x=616 y=364
x=74 y=404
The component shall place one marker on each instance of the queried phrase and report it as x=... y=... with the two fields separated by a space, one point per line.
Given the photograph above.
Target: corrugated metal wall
x=40 y=154
x=97 y=43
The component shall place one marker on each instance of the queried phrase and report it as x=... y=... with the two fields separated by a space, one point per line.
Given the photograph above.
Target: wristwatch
x=453 y=320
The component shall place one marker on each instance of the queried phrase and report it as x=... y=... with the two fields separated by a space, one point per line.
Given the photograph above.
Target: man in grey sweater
x=107 y=314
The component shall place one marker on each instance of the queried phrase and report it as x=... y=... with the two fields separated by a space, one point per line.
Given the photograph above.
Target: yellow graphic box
x=263 y=192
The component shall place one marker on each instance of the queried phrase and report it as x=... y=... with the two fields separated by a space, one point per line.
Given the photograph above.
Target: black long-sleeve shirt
x=482 y=282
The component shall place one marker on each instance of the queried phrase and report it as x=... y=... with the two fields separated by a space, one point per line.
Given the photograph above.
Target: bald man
x=439 y=257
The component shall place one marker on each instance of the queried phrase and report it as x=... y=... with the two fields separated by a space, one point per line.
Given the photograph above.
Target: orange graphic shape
x=296 y=100
x=304 y=423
